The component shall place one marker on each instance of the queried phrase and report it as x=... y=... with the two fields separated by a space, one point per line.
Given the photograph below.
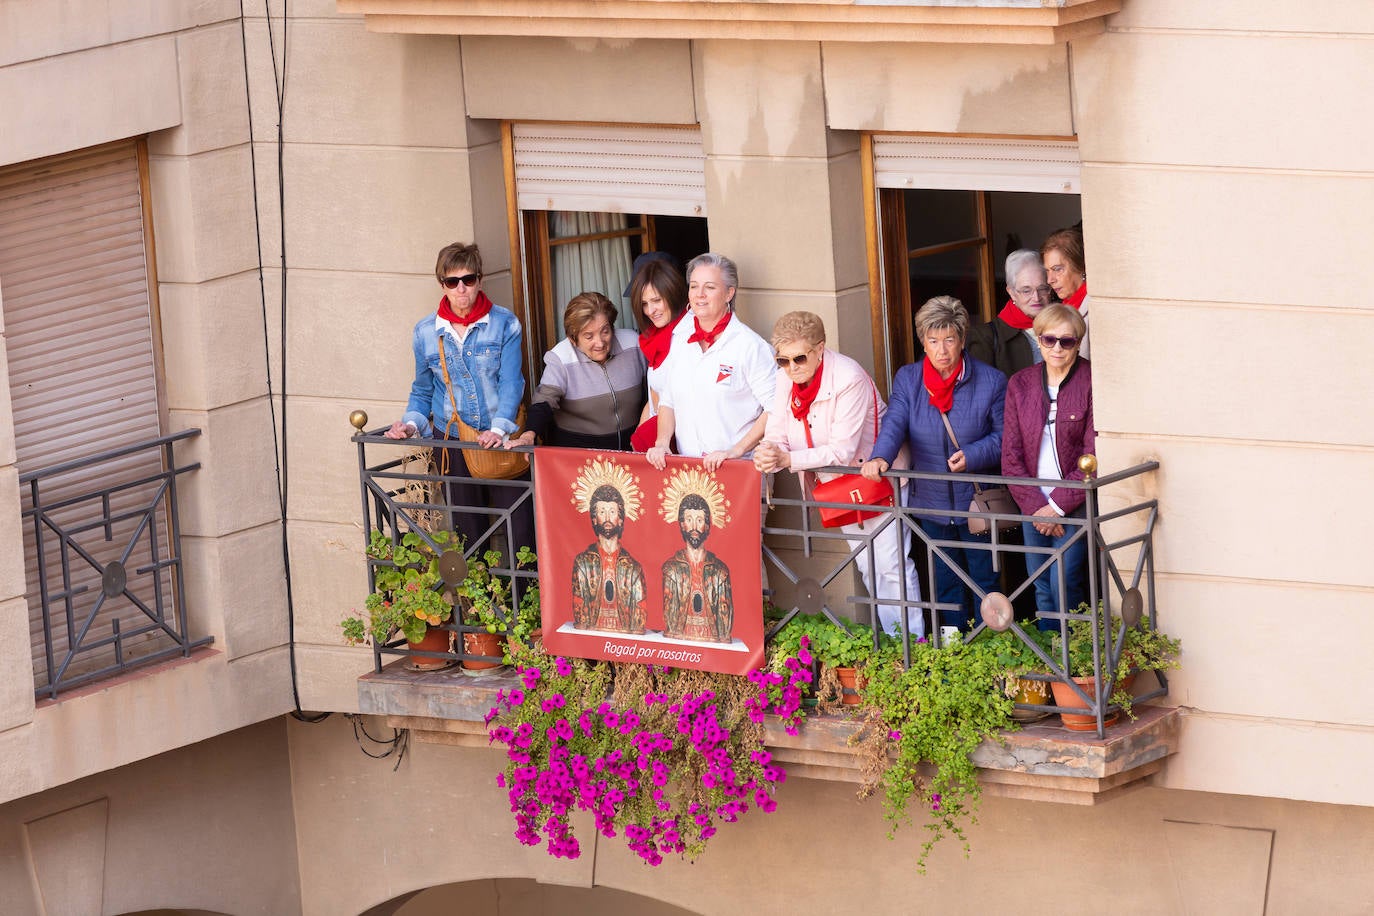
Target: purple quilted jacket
x=1027 y=408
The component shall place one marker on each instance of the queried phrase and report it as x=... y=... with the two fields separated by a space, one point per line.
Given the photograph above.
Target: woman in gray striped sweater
x=592 y=391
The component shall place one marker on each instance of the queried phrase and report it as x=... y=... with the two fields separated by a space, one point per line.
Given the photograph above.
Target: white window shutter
x=973 y=164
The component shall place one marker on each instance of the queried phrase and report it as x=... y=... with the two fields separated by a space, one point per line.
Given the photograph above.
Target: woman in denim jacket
x=480 y=343
x=970 y=394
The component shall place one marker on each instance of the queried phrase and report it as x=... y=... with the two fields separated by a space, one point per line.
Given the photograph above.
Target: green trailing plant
x=485 y=595
x=408 y=595
x=1144 y=648
x=923 y=722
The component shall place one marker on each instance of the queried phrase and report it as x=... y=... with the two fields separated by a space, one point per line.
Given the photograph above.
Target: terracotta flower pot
x=849 y=687
x=1064 y=695
x=436 y=640
x=482 y=644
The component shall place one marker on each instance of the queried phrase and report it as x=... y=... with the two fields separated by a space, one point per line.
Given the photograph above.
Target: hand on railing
x=401 y=430
x=874 y=468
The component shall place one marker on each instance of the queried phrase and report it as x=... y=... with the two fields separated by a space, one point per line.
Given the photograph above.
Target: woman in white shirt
x=720 y=377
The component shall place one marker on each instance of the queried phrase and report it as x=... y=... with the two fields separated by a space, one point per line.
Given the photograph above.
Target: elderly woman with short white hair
x=826 y=412
x=721 y=375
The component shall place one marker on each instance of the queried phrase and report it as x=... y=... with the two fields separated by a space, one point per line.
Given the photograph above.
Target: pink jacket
x=844 y=417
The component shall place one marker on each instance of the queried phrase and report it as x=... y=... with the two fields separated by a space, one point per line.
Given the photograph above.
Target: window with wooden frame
x=944 y=212
x=585 y=201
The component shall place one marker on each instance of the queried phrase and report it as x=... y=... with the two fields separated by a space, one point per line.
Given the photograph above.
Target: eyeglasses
x=798 y=361
x=1028 y=290
x=465 y=280
x=1049 y=342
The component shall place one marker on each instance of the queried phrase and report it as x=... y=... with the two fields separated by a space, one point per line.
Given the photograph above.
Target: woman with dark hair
x=948 y=409
x=1049 y=426
x=1068 y=273
x=592 y=389
x=658 y=295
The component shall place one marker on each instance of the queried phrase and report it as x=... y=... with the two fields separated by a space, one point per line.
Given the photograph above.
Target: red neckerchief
x=709 y=336
x=1015 y=317
x=656 y=341
x=1076 y=300
x=941 y=389
x=803 y=396
x=476 y=313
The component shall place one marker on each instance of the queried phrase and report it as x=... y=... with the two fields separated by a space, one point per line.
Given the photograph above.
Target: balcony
x=815 y=570
x=102 y=537
x=1030 y=22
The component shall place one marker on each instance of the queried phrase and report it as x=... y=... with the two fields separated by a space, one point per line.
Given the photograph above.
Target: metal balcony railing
x=401 y=494
x=103 y=543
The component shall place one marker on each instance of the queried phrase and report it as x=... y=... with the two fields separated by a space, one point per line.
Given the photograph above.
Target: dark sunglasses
x=785 y=361
x=465 y=279
x=1048 y=341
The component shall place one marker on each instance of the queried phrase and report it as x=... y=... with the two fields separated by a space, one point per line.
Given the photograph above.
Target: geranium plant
x=1143 y=648
x=408 y=593
x=663 y=756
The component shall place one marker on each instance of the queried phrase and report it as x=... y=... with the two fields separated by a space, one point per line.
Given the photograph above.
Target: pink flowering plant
x=924 y=721
x=660 y=756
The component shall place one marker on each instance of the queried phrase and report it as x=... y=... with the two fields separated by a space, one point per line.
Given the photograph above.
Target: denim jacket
x=488 y=383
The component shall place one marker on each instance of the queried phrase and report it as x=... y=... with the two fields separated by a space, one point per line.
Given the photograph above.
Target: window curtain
x=601 y=266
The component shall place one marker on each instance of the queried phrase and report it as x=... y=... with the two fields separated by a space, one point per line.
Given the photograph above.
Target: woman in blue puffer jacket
x=970 y=394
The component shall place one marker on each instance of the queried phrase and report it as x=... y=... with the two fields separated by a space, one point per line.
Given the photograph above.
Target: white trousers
x=891 y=565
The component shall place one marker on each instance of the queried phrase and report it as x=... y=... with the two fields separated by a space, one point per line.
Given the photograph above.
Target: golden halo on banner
x=603 y=472
x=695 y=482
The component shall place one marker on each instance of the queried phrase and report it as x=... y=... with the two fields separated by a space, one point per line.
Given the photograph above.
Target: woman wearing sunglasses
x=948 y=408
x=1048 y=427
x=825 y=413
x=478 y=382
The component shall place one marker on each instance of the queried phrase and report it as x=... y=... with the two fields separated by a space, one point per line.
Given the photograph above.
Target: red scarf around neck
x=1015 y=317
x=476 y=313
x=656 y=341
x=941 y=390
x=709 y=336
x=803 y=396
x=1076 y=300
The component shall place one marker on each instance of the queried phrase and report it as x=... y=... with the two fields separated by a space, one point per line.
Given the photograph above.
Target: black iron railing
x=106 y=563
x=403 y=494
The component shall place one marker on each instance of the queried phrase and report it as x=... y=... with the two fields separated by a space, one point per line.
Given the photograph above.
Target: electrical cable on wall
x=279 y=453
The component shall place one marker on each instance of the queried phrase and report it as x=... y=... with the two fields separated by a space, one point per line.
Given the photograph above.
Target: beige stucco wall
x=206 y=828
x=1239 y=368
x=1150 y=851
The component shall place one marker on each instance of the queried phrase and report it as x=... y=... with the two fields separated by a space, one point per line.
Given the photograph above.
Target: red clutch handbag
x=856 y=490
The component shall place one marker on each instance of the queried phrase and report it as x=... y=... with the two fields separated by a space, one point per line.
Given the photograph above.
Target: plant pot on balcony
x=1036 y=693
x=435 y=640
x=849 y=686
x=490 y=644
x=1064 y=695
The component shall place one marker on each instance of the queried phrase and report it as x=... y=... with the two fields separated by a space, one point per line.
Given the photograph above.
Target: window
x=949 y=210
x=80 y=340
x=591 y=199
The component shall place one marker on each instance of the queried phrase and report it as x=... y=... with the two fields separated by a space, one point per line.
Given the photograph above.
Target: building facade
x=222 y=217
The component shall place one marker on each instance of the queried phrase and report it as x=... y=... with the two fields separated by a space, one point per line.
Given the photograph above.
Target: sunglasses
x=1049 y=342
x=465 y=280
x=785 y=361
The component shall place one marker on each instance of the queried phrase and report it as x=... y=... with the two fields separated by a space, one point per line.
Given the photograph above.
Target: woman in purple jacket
x=969 y=394
x=1049 y=426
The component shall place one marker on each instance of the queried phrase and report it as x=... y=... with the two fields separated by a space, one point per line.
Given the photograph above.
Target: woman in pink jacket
x=826 y=412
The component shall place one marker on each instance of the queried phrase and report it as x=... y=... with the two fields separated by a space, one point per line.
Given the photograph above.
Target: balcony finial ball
x=1088 y=465
x=359 y=419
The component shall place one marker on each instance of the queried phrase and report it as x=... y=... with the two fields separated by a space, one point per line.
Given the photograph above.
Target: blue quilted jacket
x=976 y=416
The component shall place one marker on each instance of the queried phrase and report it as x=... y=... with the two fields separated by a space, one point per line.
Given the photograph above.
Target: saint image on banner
x=607 y=583
x=698 y=604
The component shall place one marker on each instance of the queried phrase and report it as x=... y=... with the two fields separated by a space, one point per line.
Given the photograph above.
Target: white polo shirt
x=717 y=395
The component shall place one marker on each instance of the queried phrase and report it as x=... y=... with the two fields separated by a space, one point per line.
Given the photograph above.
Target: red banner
x=657 y=567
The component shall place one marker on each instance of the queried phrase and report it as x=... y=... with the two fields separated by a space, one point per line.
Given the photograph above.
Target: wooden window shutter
x=79 y=339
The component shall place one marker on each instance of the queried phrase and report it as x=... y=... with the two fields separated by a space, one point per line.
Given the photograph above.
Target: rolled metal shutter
x=82 y=365
x=610 y=169
x=976 y=164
